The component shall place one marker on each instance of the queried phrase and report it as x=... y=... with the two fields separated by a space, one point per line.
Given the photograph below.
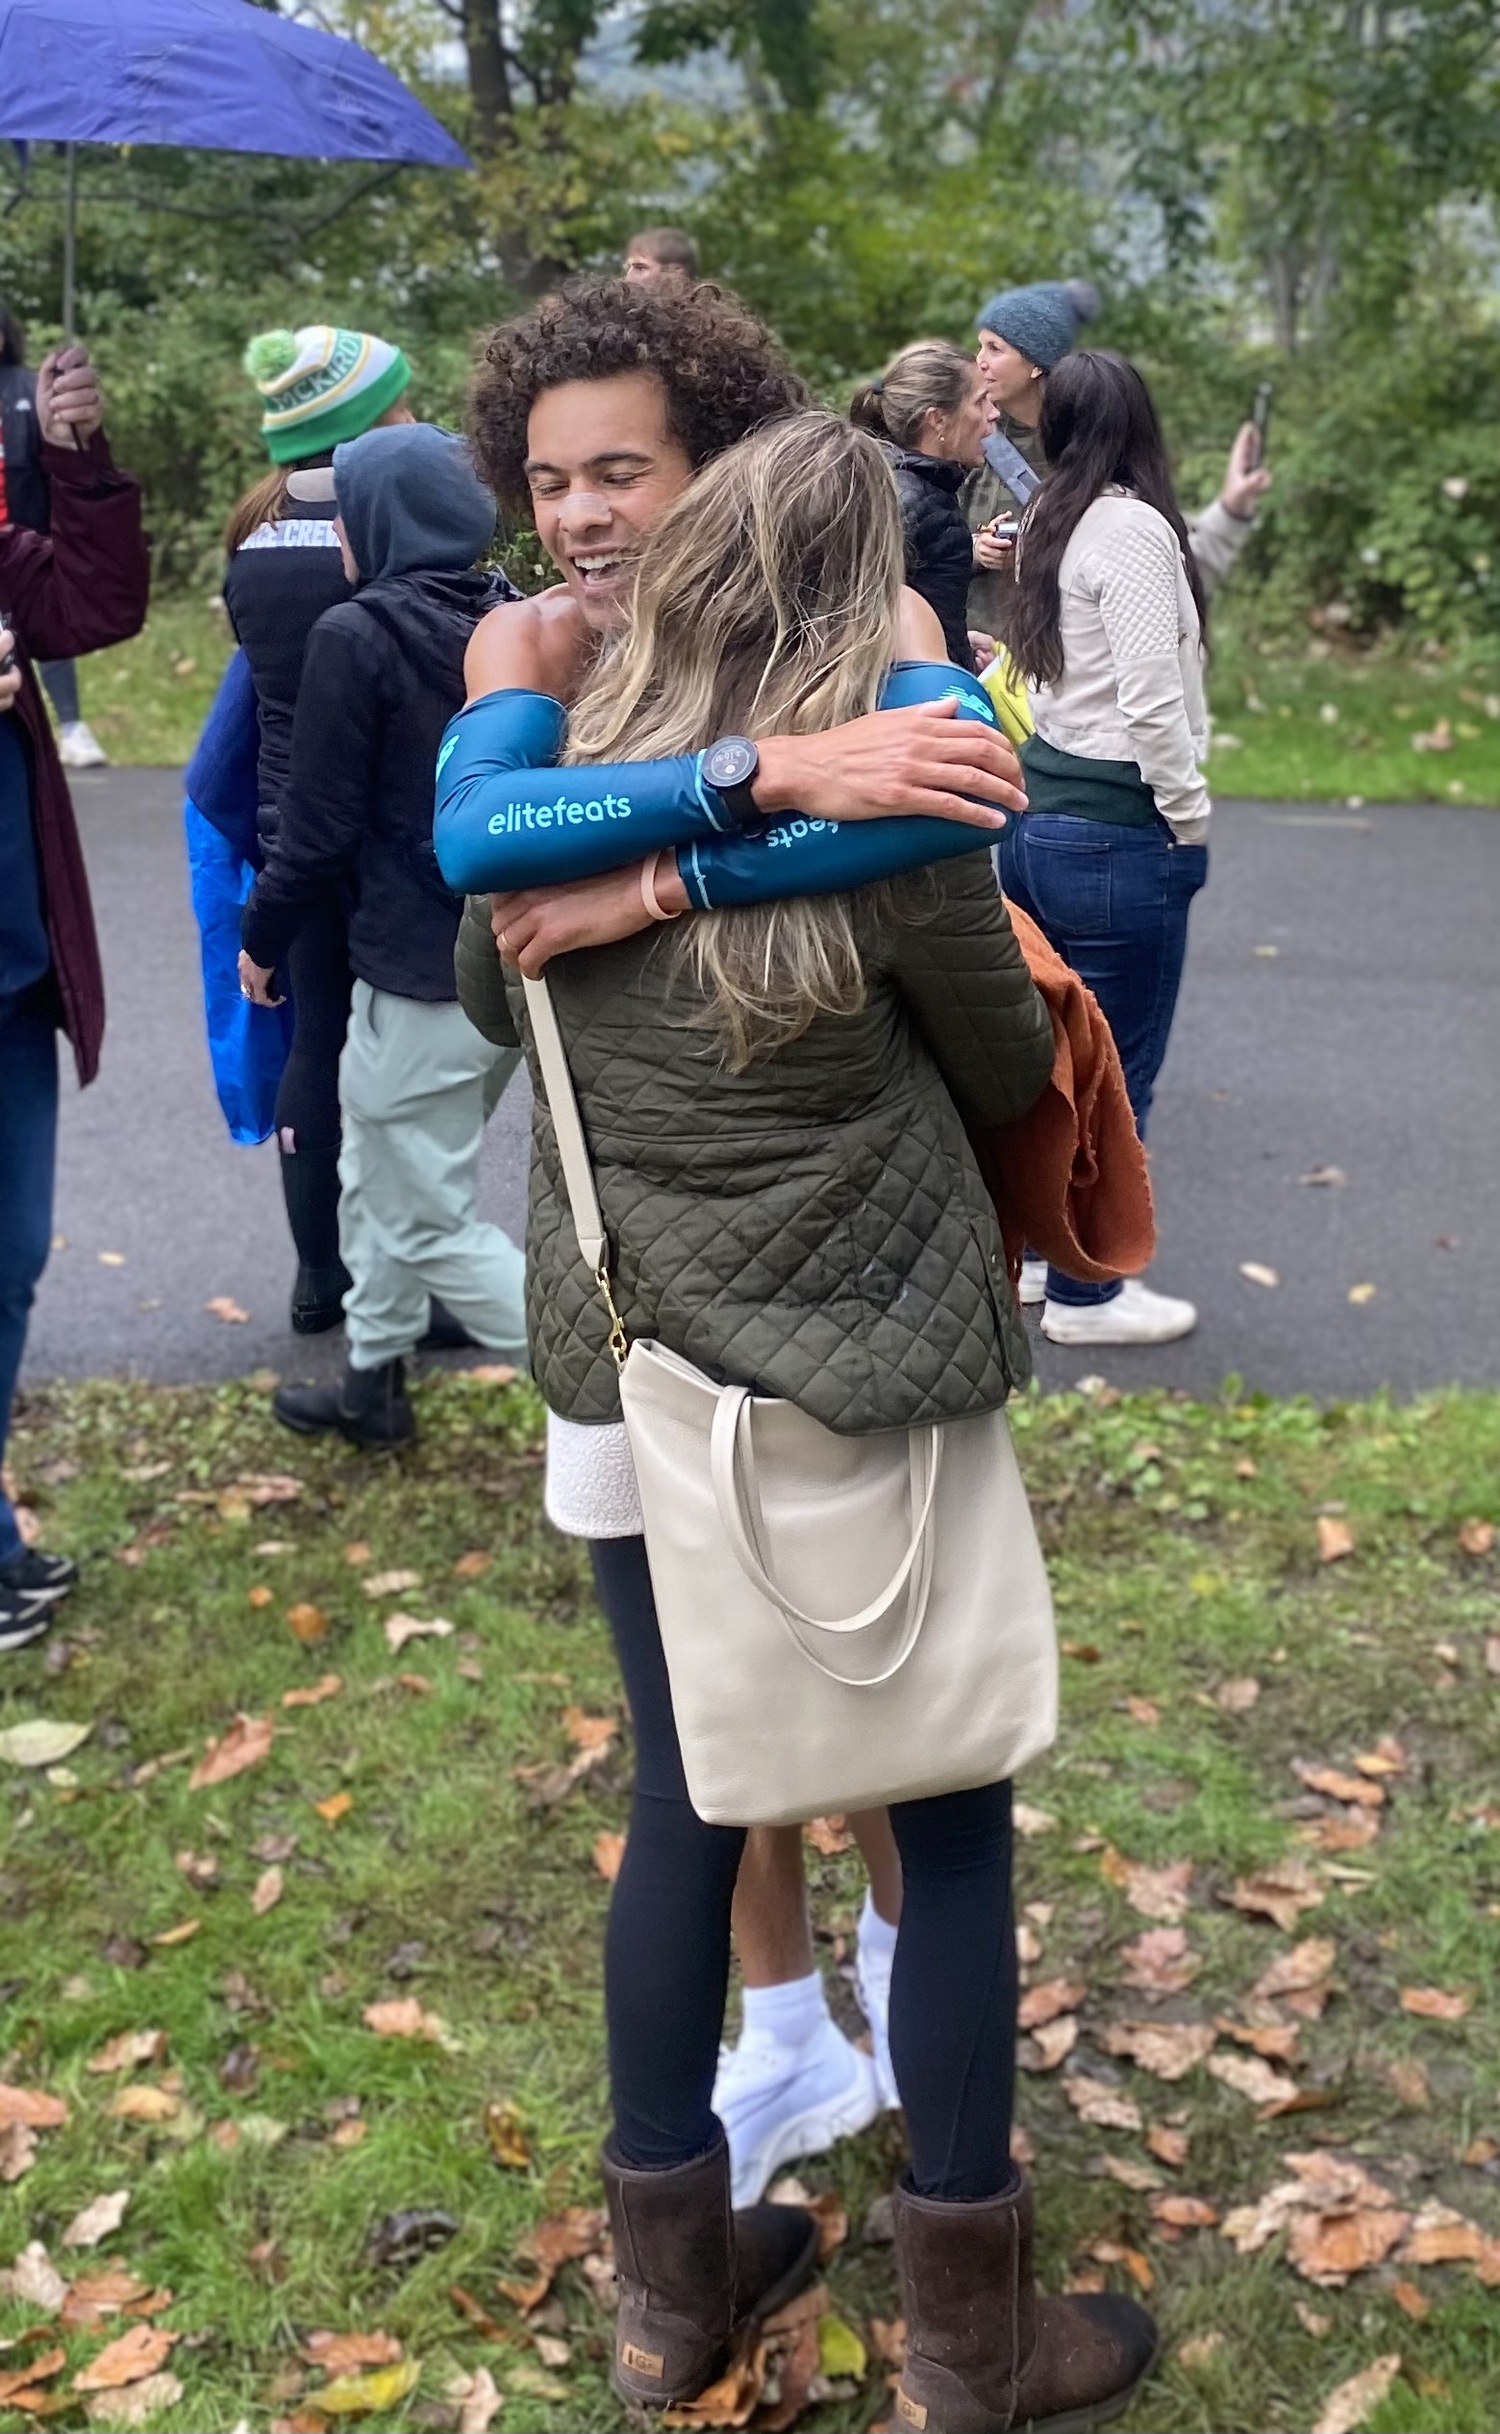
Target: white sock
x=792 y=2013
x=876 y=1934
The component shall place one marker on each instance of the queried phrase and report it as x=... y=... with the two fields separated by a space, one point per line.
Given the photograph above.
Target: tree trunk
x=489 y=76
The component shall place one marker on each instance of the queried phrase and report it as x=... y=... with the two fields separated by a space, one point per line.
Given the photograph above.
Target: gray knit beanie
x=1041 y=322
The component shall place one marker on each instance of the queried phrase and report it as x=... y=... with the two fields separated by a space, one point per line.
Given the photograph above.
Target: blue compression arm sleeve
x=507 y=817
x=499 y=825
x=798 y=857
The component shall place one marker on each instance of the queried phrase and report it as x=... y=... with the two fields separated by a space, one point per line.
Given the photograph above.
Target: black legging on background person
x=307 y=1103
x=666 y=1954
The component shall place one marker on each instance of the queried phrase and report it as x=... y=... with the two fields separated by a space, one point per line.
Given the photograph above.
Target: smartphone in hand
x=1260 y=417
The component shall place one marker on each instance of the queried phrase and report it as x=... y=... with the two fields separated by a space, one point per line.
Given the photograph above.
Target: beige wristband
x=658 y=912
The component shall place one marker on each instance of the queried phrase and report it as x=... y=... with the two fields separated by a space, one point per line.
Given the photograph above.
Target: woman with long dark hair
x=1105 y=622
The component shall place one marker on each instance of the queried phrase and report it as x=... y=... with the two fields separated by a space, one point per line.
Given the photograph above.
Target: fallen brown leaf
x=247 y=1741
x=1476 y=1537
x=1168 y=2049
x=1159 y=1962
x=1049 y=2045
x=403 y=2016
x=1307 y=1965
x=1168 y=2146
x=182 y=1933
x=390 y=1584
x=269 y=1887
x=1130 y=2172
x=1480 y=2151
x=1441 y=2236
x=732 y=2401
x=399 y=1628
x=1046 y=2002
x=1201 y=2350
x=34 y=2282
x=1029 y=1822
x=1336 y=1785
x=96 y=2221
x=357 y=1552
x=1432 y=2003
x=1411 y=2301
x=1142 y=1711
x=201 y=1868
x=1281 y=1892
x=1139 y=2267
x=1349 y=2404
x=337 y=1805
x=1183 y=2213
x=1094 y=2100
x=1386 y=1758
x=136 y=2404
x=307 y=1623
x=327 y=1687
x=97 y=2295
x=578 y=2232
x=1342 y=1830
x=18 y=2149
x=144 y=2102
x=589 y=1732
x=1278 y=2042
x=1312 y=2320
x=31 y=2106
x=259 y=1596
x=478 y=2399
x=340 y=2353
x=230 y=1311
x=40 y=2370
x=1335 y=1538
x=136 y=2354
x=1409 y=2079
x=1236 y=1698
x=1255 y=1272
x=1250 y=2076
x=609 y=1850
x=472 y=1565
x=1158 y=1893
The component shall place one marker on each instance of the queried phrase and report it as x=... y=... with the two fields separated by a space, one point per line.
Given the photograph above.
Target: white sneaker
x=78 y=747
x=872 y=1984
x=1135 y=1316
x=777 y=2101
x=1033 y=1282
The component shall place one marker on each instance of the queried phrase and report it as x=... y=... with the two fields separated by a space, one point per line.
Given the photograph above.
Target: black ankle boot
x=368 y=1406
x=318 y=1299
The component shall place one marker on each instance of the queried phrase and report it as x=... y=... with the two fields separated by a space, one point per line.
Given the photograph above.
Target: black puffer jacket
x=939 y=547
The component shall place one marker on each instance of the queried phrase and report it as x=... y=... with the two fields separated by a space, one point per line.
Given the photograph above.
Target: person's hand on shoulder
x=1246 y=479
x=69 y=406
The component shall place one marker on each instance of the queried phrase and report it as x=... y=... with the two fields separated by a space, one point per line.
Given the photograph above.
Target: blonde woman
x=775 y=1099
x=932 y=409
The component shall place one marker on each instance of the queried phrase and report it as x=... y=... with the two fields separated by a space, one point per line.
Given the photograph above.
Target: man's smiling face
x=602 y=469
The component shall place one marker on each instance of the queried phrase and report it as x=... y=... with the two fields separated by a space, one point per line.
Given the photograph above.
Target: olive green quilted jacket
x=815 y=1228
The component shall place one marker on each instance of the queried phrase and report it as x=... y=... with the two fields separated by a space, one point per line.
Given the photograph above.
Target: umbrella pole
x=70 y=240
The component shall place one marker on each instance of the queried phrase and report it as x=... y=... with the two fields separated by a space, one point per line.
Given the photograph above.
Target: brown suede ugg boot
x=694 y=2276
x=985 y=2355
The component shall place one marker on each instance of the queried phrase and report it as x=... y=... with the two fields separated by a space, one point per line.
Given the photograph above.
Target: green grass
x=1183 y=1545
x=147 y=700
x=1332 y=722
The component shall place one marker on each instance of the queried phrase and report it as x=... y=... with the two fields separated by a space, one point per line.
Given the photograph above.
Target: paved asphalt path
x=1339 y=1010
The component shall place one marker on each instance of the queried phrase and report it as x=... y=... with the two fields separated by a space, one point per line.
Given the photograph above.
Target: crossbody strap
x=573 y=1152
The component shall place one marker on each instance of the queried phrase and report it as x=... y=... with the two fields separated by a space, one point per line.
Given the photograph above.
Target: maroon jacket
x=78 y=589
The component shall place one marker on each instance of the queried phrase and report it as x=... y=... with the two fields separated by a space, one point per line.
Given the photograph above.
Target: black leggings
x=307 y=1102
x=666 y=1957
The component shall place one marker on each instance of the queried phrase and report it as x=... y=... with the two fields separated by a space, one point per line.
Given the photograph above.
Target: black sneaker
x=24 y=1617
x=33 y=1574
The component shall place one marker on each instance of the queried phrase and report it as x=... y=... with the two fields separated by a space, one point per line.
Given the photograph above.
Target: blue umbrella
x=219 y=75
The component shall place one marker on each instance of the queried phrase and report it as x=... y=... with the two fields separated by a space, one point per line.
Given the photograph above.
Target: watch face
x=730 y=761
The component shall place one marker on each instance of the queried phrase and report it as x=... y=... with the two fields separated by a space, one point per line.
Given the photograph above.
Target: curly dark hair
x=721 y=369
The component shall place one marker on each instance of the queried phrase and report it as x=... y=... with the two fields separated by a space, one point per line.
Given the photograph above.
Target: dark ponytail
x=1098 y=431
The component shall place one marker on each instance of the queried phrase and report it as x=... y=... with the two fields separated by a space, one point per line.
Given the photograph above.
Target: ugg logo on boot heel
x=650 y=2361
x=910 y=2412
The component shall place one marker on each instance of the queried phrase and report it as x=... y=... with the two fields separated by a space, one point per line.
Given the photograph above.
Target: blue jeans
x=28 y=1157
x=1114 y=902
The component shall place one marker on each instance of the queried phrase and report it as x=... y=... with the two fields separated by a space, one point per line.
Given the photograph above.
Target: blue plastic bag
x=247 y=1044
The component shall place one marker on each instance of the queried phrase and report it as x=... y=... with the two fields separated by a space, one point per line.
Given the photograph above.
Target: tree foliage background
x=1298 y=190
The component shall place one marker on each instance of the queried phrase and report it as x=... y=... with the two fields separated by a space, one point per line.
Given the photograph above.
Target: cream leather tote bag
x=847 y=1621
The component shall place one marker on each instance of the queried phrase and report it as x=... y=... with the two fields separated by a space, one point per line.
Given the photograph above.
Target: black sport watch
x=731 y=767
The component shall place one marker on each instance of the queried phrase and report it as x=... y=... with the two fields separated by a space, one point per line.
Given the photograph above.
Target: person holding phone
x=78 y=588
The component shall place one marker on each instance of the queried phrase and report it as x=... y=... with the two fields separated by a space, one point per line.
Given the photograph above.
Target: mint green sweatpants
x=417 y=1085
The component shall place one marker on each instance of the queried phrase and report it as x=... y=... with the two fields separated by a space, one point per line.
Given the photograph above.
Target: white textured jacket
x=1132 y=681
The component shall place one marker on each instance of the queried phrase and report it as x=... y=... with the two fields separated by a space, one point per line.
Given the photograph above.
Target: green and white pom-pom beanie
x=321 y=386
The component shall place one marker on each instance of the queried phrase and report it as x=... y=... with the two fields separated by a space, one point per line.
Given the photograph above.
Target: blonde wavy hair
x=766 y=603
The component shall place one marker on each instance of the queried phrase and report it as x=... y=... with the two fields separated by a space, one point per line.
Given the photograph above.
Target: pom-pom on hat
x=1041 y=322
x=322 y=385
